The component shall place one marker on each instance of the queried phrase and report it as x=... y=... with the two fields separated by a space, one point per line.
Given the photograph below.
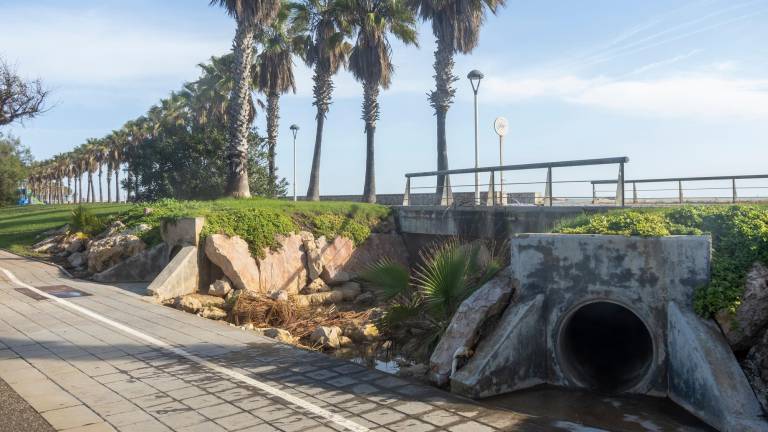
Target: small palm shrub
x=83 y=220
x=422 y=302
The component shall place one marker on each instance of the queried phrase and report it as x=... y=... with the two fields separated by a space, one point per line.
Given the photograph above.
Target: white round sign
x=501 y=126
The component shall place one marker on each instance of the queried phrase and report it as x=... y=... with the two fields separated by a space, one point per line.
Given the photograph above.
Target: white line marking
x=314 y=409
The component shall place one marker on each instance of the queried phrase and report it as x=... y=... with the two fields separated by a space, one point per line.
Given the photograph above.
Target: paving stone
x=470 y=426
x=67 y=418
x=181 y=419
x=150 y=400
x=441 y=417
x=186 y=392
x=218 y=411
x=272 y=412
x=383 y=416
x=203 y=427
x=294 y=423
x=96 y=427
x=145 y=426
x=411 y=425
x=238 y=421
x=128 y=417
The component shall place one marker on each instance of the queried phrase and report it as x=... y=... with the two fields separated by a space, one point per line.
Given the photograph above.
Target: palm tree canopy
x=250 y=12
x=371 y=59
x=275 y=71
x=456 y=21
x=321 y=34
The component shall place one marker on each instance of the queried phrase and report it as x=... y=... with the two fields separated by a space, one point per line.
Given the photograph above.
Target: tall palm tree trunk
x=273 y=118
x=91 y=197
x=323 y=88
x=100 y=196
x=80 y=180
x=109 y=183
x=441 y=99
x=370 y=115
x=129 y=186
x=117 y=182
x=69 y=188
x=239 y=116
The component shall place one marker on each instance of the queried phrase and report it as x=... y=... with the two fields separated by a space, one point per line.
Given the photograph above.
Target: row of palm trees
x=326 y=35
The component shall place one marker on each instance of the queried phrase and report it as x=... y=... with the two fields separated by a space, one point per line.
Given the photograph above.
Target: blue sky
x=681 y=87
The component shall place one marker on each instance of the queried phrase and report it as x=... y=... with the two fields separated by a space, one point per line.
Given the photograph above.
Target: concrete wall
x=430 y=199
x=179 y=277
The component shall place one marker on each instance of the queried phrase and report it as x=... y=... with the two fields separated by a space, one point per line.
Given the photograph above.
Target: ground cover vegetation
x=739 y=239
x=200 y=142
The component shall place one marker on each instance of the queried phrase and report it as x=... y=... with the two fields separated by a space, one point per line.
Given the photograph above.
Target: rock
x=279 y=295
x=231 y=254
x=314 y=250
x=195 y=303
x=316 y=286
x=342 y=261
x=350 y=291
x=76 y=244
x=147 y=211
x=108 y=251
x=365 y=333
x=220 y=288
x=284 y=269
x=413 y=371
x=77 y=259
x=138 y=229
x=315 y=299
x=755 y=367
x=326 y=336
x=49 y=245
x=365 y=299
x=345 y=341
x=335 y=257
x=275 y=333
x=487 y=301
x=743 y=328
x=113 y=229
x=214 y=313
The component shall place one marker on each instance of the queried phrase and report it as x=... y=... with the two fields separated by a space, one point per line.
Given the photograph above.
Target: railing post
x=407 y=193
x=594 y=194
x=446 y=198
x=634 y=193
x=733 y=185
x=548 y=188
x=680 y=191
x=490 y=200
x=620 y=186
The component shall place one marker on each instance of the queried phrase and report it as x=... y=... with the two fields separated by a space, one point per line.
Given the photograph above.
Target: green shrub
x=739 y=239
x=258 y=227
x=83 y=220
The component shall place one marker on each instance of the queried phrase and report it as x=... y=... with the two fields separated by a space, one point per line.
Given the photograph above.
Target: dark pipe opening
x=606 y=347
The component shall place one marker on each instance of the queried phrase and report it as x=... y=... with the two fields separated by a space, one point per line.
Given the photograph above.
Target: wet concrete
x=584 y=411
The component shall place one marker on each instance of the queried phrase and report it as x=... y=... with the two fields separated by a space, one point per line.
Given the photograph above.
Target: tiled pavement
x=83 y=374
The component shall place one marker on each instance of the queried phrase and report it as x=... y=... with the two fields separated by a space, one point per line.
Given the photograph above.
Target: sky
x=678 y=86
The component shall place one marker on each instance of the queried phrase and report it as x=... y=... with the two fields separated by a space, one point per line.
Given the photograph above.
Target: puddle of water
x=584 y=411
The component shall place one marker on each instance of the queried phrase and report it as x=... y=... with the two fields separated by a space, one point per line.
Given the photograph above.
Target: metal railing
x=444 y=194
x=734 y=196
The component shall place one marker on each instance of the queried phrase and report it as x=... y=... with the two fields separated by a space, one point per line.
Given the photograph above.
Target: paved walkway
x=114 y=361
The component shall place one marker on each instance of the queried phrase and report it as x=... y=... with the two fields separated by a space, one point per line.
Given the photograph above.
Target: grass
x=21 y=226
x=257 y=220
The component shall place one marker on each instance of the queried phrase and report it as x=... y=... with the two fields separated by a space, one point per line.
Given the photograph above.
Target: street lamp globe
x=294 y=129
x=474 y=78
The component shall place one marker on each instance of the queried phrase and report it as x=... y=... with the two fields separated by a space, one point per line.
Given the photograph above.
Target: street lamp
x=474 y=79
x=295 y=130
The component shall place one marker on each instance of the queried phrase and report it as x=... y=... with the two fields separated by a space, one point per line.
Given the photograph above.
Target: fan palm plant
x=371 y=61
x=323 y=47
x=423 y=303
x=456 y=25
x=250 y=16
x=275 y=77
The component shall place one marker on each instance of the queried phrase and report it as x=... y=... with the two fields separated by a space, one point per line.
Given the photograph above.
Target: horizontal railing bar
x=674 y=179
x=572 y=163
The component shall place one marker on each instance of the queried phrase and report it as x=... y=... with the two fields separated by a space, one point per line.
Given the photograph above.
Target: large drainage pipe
x=605 y=346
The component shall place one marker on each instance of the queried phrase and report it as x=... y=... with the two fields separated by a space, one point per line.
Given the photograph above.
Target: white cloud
x=694 y=96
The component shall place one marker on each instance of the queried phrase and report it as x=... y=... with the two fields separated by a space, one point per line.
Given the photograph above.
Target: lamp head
x=474 y=78
x=294 y=129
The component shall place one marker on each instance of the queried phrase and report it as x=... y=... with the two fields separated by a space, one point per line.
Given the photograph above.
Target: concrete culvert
x=605 y=346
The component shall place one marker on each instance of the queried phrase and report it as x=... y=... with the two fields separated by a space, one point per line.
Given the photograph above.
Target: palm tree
x=325 y=49
x=456 y=25
x=250 y=16
x=371 y=62
x=275 y=77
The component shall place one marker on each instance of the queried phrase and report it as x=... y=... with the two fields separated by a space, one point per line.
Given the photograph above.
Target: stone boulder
x=75 y=243
x=231 y=254
x=214 y=313
x=326 y=336
x=314 y=250
x=195 y=303
x=365 y=299
x=350 y=291
x=364 y=333
x=316 y=286
x=77 y=259
x=280 y=296
x=321 y=298
x=277 y=334
x=220 y=288
x=342 y=261
x=108 y=251
x=285 y=268
x=461 y=335
x=744 y=328
x=755 y=366
x=48 y=245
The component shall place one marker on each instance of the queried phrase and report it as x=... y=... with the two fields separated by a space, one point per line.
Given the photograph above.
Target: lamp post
x=501 y=125
x=474 y=79
x=294 y=130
